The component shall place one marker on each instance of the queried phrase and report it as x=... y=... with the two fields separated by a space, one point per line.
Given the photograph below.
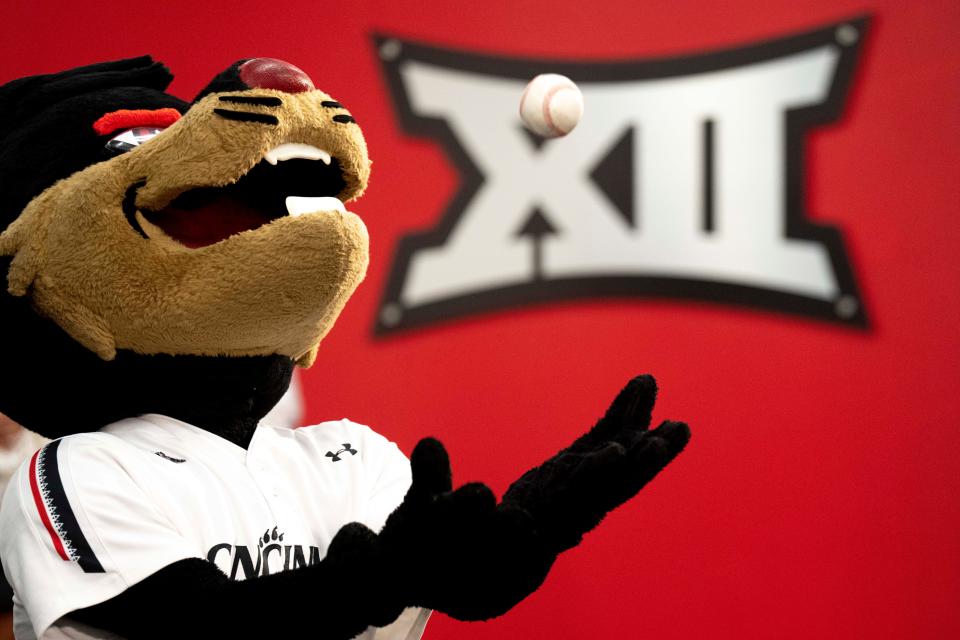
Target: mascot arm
x=455 y=551
x=463 y=554
x=338 y=598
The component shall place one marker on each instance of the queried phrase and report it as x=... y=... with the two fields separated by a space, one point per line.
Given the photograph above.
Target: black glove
x=456 y=551
x=569 y=494
x=461 y=553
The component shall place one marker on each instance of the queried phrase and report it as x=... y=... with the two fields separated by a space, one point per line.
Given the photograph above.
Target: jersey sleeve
x=76 y=529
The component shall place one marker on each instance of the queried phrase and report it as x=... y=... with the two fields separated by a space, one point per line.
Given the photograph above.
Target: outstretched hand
x=456 y=551
x=459 y=552
x=569 y=494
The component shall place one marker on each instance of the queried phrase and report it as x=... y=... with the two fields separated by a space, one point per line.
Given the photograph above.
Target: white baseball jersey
x=92 y=514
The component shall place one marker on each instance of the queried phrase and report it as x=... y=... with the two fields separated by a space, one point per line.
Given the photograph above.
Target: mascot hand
x=456 y=551
x=569 y=494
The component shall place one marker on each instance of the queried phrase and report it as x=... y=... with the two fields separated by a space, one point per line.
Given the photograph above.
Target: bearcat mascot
x=167 y=264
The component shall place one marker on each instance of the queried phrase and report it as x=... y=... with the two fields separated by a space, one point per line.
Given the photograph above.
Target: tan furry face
x=92 y=253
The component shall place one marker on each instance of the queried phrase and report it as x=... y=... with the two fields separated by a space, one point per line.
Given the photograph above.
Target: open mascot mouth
x=216 y=230
x=292 y=179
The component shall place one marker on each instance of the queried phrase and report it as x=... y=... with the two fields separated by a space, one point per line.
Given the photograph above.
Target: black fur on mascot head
x=179 y=259
x=86 y=363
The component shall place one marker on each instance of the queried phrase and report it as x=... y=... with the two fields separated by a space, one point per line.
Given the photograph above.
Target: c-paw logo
x=684 y=179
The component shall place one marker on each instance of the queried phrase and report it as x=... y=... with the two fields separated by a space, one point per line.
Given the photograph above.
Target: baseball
x=551 y=105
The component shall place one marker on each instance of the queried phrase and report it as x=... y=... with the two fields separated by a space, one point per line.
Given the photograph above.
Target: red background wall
x=818 y=497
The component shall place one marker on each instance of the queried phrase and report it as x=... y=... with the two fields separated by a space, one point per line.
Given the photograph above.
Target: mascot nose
x=270 y=73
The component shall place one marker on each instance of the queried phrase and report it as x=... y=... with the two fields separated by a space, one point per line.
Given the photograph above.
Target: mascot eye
x=131 y=138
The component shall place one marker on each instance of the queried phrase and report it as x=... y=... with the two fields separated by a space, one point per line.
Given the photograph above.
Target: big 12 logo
x=684 y=179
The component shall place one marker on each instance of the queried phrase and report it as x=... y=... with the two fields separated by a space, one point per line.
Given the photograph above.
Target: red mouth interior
x=210 y=223
x=207 y=215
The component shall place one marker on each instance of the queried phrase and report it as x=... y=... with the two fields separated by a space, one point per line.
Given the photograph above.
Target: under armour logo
x=684 y=179
x=346 y=449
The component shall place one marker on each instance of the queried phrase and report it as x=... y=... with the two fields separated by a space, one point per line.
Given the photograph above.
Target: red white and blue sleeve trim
x=55 y=511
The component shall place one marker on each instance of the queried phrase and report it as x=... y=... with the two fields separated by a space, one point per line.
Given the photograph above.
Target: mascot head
x=169 y=257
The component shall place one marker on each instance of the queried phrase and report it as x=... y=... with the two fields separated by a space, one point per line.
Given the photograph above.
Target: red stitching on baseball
x=547 y=99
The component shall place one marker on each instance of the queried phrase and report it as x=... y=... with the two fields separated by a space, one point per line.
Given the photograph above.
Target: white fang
x=296 y=150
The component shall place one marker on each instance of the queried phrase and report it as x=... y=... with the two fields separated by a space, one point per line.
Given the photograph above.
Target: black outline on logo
x=798 y=226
